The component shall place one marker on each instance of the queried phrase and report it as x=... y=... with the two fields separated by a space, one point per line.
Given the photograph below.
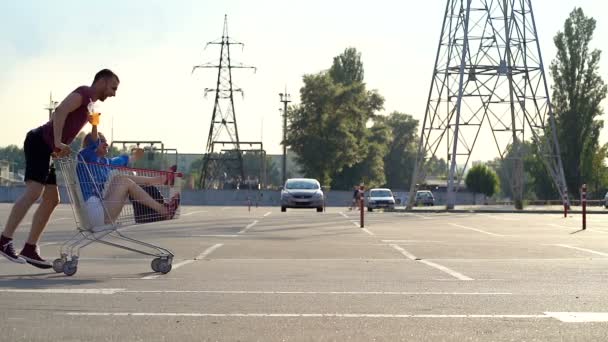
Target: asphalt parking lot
x=263 y=275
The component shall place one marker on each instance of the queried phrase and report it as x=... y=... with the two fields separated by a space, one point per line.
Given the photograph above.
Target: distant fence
x=334 y=198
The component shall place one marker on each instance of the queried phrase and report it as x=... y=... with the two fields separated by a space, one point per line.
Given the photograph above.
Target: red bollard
x=361 y=206
x=584 y=203
x=566 y=202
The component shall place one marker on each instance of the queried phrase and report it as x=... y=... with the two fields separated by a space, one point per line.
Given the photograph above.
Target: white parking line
x=500 y=217
x=368 y=232
x=416 y=215
x=64 y=291
x=113 y=291
x=583 y=249
x=193 y=212
x=268 y=213
x=208 y=251
x=248 y=227
x=303 y=315
x=343 y=214
x=579 y=317
x=442 y=268
x=475 y=229
x=215 y=235
x=189 y=261
x=347 y=293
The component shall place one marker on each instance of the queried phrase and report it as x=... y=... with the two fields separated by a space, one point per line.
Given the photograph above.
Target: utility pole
x=285 y=98
x=51 y=106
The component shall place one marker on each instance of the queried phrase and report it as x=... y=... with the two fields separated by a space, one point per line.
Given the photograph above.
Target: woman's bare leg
x=119 y=188
x=143 y=180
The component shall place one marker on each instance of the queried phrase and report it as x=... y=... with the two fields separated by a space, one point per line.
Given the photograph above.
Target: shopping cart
x=100 y=220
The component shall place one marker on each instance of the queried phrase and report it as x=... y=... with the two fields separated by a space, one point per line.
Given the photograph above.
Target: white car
x=380 y=198
x=302 y=193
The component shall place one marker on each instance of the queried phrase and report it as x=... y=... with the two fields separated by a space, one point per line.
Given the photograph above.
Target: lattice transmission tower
x=488 y=72
x=224 y=156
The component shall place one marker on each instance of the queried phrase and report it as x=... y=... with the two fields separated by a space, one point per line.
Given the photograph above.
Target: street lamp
x=285 y=98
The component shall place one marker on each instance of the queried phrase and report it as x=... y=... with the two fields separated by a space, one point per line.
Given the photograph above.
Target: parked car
x=380 y=198
x=606 y=201
x=424 y=197
x=302 y=193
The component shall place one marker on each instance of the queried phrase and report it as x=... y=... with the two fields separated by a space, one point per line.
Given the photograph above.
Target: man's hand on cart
x=61 y=150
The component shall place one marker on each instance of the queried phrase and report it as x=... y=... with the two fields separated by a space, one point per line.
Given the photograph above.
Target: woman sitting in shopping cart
x=103 y=188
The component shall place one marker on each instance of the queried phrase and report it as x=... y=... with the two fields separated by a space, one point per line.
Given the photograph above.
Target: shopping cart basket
x=98 y=219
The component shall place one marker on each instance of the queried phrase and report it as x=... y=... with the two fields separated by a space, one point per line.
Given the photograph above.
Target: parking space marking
x=582 y=249
x=249 y=226
x=201 y=256
x=193 y=212
x=215 y=235
x=367 y=231
x=442 y=268
x=343 y=214
x=64 y=291
x=416 y=215
x=268 y=213
x=302 y=315
x=500 y=217
x=579 y=317
x=475 y=229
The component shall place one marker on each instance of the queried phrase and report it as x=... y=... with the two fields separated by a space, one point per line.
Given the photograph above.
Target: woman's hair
x=88 y=140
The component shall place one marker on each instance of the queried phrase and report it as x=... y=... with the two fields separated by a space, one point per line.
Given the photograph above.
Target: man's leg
x=18 y=212
x=50 y=200
x=22 y=205
x=30 y=251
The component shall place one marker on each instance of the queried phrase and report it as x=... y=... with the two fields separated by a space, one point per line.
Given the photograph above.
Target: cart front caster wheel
x=155 y=263
x=58 y=265
x=164 y=266
x=70 y=268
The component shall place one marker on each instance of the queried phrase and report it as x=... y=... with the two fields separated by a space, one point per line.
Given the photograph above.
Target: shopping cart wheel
x=155 y=263
x=70 y=268
x=164 y=266
x=58 y=265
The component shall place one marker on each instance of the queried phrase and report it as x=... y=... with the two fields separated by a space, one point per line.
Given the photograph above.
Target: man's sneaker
x=31 y=254
x=7 y=249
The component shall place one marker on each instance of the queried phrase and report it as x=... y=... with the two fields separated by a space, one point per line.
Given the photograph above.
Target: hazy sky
x=54 y=46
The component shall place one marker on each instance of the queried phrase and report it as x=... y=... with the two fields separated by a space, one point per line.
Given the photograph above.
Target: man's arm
x=73 y=101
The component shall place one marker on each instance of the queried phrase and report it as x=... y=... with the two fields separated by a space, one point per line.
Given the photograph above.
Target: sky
x=55 y=46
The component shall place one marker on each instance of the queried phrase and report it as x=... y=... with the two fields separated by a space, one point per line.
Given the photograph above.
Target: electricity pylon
x=488 y=71
x=227 y=160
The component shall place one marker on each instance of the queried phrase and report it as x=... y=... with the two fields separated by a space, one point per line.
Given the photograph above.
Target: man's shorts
x=38 y=167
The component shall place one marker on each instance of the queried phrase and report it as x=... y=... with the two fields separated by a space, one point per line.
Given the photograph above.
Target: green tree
x=13 y=154
x=327 y=131
x=578 y=91
x=370 y=170
x=347 y=68
x=401 y=157
x=482 y=179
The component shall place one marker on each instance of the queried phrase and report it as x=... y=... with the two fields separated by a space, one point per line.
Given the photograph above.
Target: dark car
x=302 y=193
x=424 y=197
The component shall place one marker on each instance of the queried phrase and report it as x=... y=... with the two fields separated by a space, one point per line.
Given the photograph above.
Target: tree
x=347 y=68
x=578 y=91
x=14 y=155
x=482 y=179
x=401 y=157
x=327 y=131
